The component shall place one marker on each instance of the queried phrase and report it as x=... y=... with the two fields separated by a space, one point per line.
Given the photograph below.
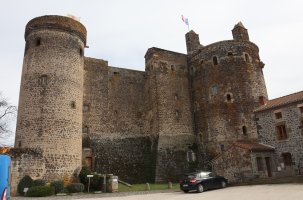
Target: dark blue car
x=5 y=163
x=201 y=181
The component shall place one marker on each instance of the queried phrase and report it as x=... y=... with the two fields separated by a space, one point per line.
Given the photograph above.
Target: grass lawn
x=142 y=187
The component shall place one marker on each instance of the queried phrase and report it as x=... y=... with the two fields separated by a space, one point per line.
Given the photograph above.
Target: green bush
x=58 y=185
x=83 y=175
x=39 y=182
x=40 y=191
x=25 y=182
x=75 y=187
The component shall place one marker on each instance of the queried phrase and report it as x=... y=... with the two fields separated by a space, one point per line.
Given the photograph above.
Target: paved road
x=259 y=192
x=256 y=192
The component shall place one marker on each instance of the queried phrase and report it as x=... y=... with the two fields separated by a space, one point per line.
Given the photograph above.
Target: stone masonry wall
x=115 y=121
x=234 y=164
x=226 y=93
x=51 y=96
x=292 y=118
x=168 y=79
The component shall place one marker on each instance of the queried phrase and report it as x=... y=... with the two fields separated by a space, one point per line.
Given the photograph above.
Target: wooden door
x=268 y=166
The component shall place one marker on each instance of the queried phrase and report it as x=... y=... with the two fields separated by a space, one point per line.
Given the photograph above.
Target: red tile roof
x=291 y=98
x=253 y=146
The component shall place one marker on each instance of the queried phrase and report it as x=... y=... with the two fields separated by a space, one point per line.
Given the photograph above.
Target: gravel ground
x=252 y=192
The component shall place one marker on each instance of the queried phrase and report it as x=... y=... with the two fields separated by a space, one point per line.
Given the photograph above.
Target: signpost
x=89 y=176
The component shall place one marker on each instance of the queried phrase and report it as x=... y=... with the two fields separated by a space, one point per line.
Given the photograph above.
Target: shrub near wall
x=75 y=187
x=39 y=182
x=40 y=191
x=25 y=182
x=58 y=185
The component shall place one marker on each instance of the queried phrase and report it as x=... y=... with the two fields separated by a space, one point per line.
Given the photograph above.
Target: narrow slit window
x=38 y=41
x=228 y=98
x=247 y=58
x=215 y=60
x=81 y=52
x=244 y=130
x=73 y=104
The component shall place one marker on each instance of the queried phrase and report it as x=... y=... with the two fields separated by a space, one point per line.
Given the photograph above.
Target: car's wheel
x=185 y=191
x=200 y=188
x=223 y=184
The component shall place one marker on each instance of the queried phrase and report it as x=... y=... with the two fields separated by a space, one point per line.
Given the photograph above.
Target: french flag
x=185 y=20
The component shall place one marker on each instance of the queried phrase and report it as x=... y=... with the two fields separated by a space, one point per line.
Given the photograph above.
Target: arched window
x=244 y=130
x=215 y=60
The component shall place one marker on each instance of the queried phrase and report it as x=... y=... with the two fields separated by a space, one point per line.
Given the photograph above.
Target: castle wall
x=115 y=121
x=169 y=94
x=225 y=92
x=51 y=95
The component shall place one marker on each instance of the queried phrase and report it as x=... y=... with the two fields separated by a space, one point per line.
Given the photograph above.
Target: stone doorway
x=268 y=166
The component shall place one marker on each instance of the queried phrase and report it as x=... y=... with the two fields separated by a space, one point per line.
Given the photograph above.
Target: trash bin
x=111 y=183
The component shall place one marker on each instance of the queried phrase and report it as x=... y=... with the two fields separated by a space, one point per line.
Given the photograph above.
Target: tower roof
x=239 y=24
x=56 y=22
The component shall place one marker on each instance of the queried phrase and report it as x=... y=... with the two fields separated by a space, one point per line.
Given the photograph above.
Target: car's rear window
x=190 y=176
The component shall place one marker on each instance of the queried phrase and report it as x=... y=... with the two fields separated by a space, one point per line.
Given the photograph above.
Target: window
x=73 y=104
x=247 y=58
x=85 y=108
x=262 y=100
x=215 y=60
x=259 y=164
x=38 y=42
x=177 y=114
x=287 y=159
x=85 y=129
x=176 y=97
x=301 y=109
x=229 y=53
x=172 y=67
x=19 y=144
x=244 y=130
x=222 y=148
x=278 y=115
x=191 y=156
x=215 y=89
x=281 y=132
x=116 y=73
x=228 y=98
x=81 y=51
x=42 y=80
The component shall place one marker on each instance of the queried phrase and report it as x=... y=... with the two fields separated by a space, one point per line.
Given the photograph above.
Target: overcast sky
x=121 y=31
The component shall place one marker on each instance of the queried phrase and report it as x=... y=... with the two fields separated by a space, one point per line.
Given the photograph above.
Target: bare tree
x=7 y=115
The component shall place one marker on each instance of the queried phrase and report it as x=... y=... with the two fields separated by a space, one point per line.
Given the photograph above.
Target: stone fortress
x=178 y=115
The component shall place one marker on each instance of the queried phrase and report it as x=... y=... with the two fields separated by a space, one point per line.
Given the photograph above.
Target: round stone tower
x=228 y=84
x=51 y=93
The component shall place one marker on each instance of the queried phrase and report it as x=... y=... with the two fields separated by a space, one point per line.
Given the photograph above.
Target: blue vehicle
x=5 y=164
